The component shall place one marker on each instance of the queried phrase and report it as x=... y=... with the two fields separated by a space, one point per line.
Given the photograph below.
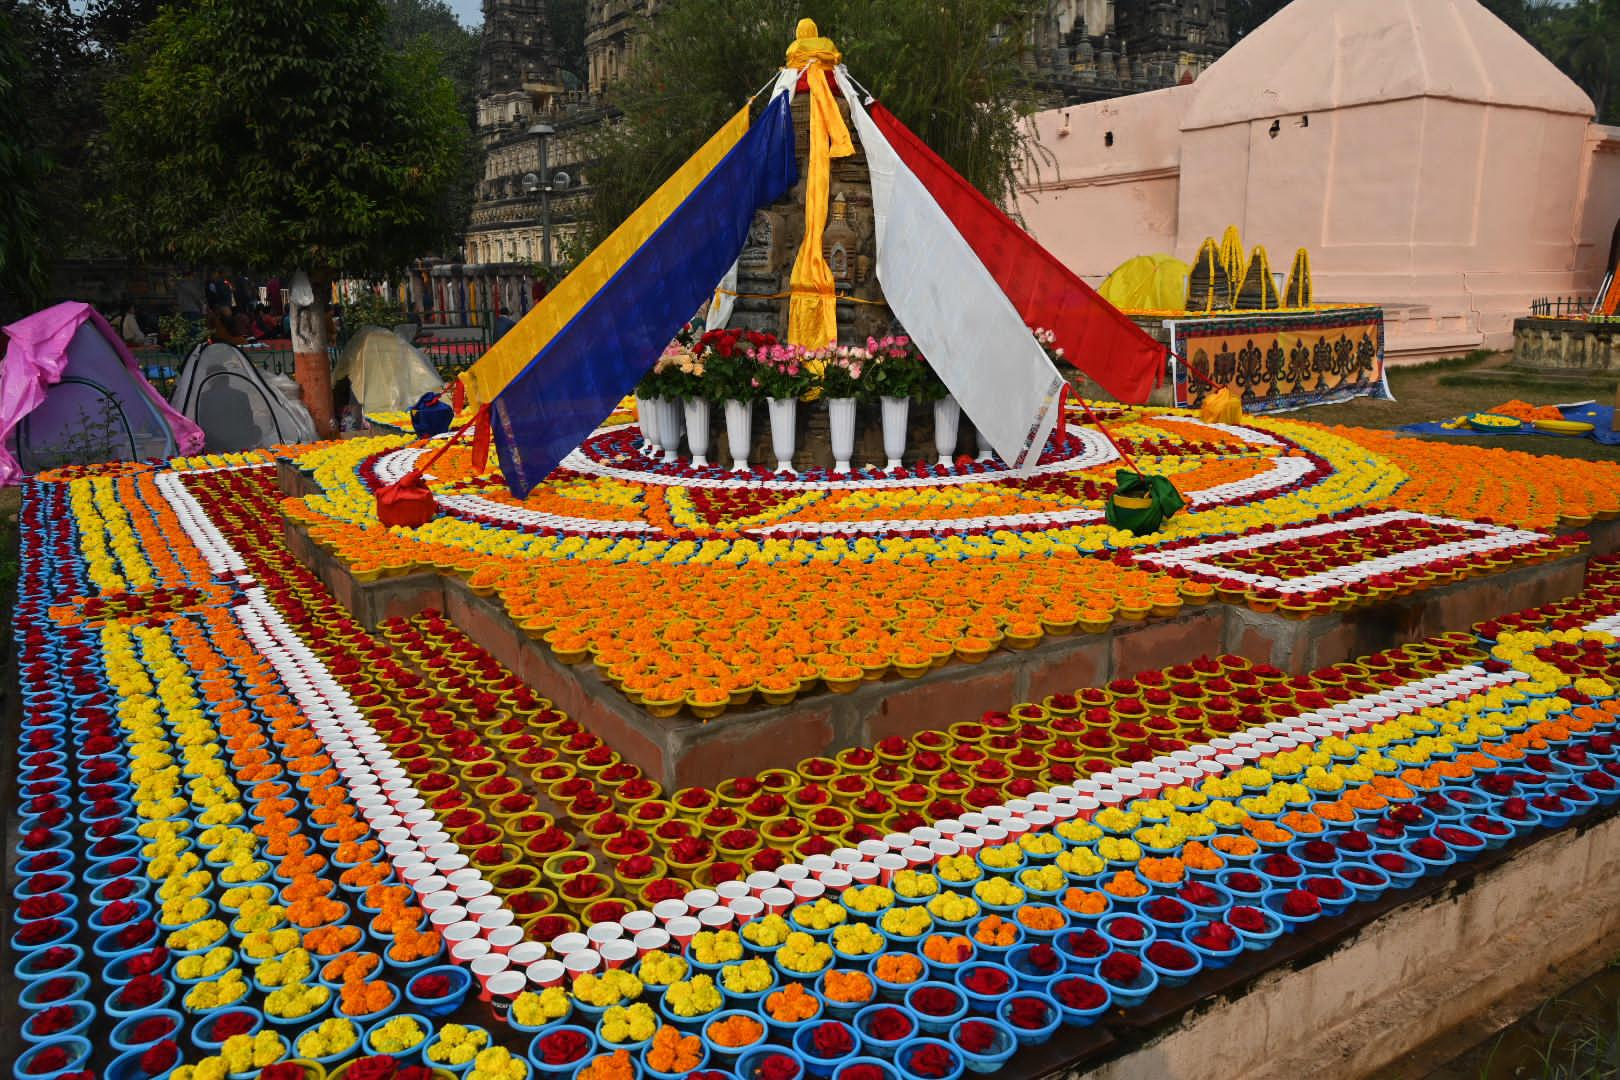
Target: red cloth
x=1095 y=336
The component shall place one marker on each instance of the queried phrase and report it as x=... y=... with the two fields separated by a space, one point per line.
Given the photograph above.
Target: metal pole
x=545 y=204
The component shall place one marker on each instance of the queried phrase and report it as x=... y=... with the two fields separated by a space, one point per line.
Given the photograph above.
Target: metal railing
x=1562 y=307
x=450 y=348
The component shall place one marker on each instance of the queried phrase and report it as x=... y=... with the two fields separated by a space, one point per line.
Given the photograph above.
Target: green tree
x=282 y=136
x=22 y=172
x=951 y=70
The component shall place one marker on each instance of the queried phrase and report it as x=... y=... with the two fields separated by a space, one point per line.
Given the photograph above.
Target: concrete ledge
x=1356 y=995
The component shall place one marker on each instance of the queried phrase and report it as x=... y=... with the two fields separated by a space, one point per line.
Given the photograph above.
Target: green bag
x=1141 y=504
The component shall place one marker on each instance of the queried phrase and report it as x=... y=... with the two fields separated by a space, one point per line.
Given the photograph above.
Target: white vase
x=986 y=451
x=784 y=431
x=697 y=431
x=947 y=420
x=647 y=417
x=841 y=422
x=896 y=411
x=670 y=417
x=739 y=431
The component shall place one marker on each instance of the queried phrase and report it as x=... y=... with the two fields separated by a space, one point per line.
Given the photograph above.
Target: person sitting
x=220 y=327
x=129 y=325
x=264 y=324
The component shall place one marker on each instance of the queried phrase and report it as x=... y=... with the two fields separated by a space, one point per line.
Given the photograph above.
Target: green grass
x=1477 y=382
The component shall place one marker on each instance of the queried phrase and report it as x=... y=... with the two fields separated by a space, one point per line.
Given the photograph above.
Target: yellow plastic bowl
x=1564 y=427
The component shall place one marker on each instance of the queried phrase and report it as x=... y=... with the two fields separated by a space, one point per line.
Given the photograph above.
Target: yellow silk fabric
x=813 y=311
x=501 y=364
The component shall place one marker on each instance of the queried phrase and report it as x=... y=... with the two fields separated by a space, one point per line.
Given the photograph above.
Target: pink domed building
x=1431 y=160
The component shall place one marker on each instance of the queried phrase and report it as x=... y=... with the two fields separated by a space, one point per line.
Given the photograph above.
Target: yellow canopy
x=1147 y=283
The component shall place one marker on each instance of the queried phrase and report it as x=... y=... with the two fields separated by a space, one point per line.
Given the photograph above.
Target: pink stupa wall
x=1429 y=158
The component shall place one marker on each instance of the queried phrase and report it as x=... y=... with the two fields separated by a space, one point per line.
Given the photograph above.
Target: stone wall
x=1570 y=345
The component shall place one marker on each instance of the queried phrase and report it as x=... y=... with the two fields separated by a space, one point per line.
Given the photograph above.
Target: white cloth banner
x=952 y=307
x=722 y=302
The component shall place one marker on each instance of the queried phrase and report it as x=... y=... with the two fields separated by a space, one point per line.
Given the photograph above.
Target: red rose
x=431 y=986
x=889 y=1025
x=1395 y=864
x=56 y=1018
x=831 y=1039
x=160 y=1058
x=54 y=1059
x=141 y=991
x=976 y=1037
x=54 y=957
x=231 y=1023
x=1456 y=837
x=1245 y=882
x=1429 y=848
x=1029 y=1013
x=1361 y=875
x=151 y=1029
x=562 y=1047
x=936 y=1000
x=1082 y=995
x=776 y=1067
x=1044 y=959
x=766 y=859
x=1087 y=944
x=664 y=889
x=1170 y=956
x=549 y=926
x=930 y=1060
x=1168 y=909
x=1217 y=937
x=1126 y=928
x=817 y=845
x=1355 y=841
x=1196 y=892
x=1327 y=888
x=1121 y=968
x=695 y=798
x=689 y=850
x=987 y=981
x=375 y=1067
x=724 y=871
x=1299 y=904
x=636 y=866
x=1281 y=866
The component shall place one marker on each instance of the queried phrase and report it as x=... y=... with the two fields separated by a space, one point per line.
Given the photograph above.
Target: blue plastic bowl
x=1272 y=903
x=1173 y=976
x=1004 y=1047
x=928 y=1023
x=751 y=1061
x=728 y=1054
x=1105 y=928
x=1080 y=1017
x=1212 y=958
x=982 y=1004
x=993 y=952
x=804 y=1048
x=460 y=984
x=127 y=1066
x=76 y=1046
x=27 y=969
x=409 y=1057
x=882 y=1048
x=537 y=1062
x=123 y=1036
x=1028 y=978
x=886 y=1067
x=84 y=1011
x=903 y=1056
x=1255 y=940
x=115 y=1009
x=1126 y=995
x=202 y=1031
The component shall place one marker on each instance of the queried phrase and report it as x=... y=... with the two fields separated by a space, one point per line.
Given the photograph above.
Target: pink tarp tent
x=70 y=391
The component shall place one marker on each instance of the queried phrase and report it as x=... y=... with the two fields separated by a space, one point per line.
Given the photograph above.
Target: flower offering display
x=254 y=834
x=823 y=582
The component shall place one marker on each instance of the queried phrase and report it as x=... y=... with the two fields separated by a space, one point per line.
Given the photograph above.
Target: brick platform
x=684 y=751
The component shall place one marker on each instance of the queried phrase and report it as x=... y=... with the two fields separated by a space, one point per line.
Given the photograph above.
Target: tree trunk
x=312 y=366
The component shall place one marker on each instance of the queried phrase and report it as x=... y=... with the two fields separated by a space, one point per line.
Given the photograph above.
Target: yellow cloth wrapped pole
x=813 y=309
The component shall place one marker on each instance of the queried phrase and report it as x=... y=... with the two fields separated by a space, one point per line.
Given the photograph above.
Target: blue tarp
x=1601 y=417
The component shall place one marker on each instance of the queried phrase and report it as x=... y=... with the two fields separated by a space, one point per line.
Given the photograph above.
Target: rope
x=789 y=292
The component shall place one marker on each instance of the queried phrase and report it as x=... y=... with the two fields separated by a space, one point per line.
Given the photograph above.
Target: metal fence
x=450 y=349
x=1562 y=307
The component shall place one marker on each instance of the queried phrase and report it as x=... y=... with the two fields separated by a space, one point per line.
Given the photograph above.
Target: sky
x=470 y=12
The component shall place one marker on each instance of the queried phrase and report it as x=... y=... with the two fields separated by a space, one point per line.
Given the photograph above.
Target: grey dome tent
x=235 y=405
